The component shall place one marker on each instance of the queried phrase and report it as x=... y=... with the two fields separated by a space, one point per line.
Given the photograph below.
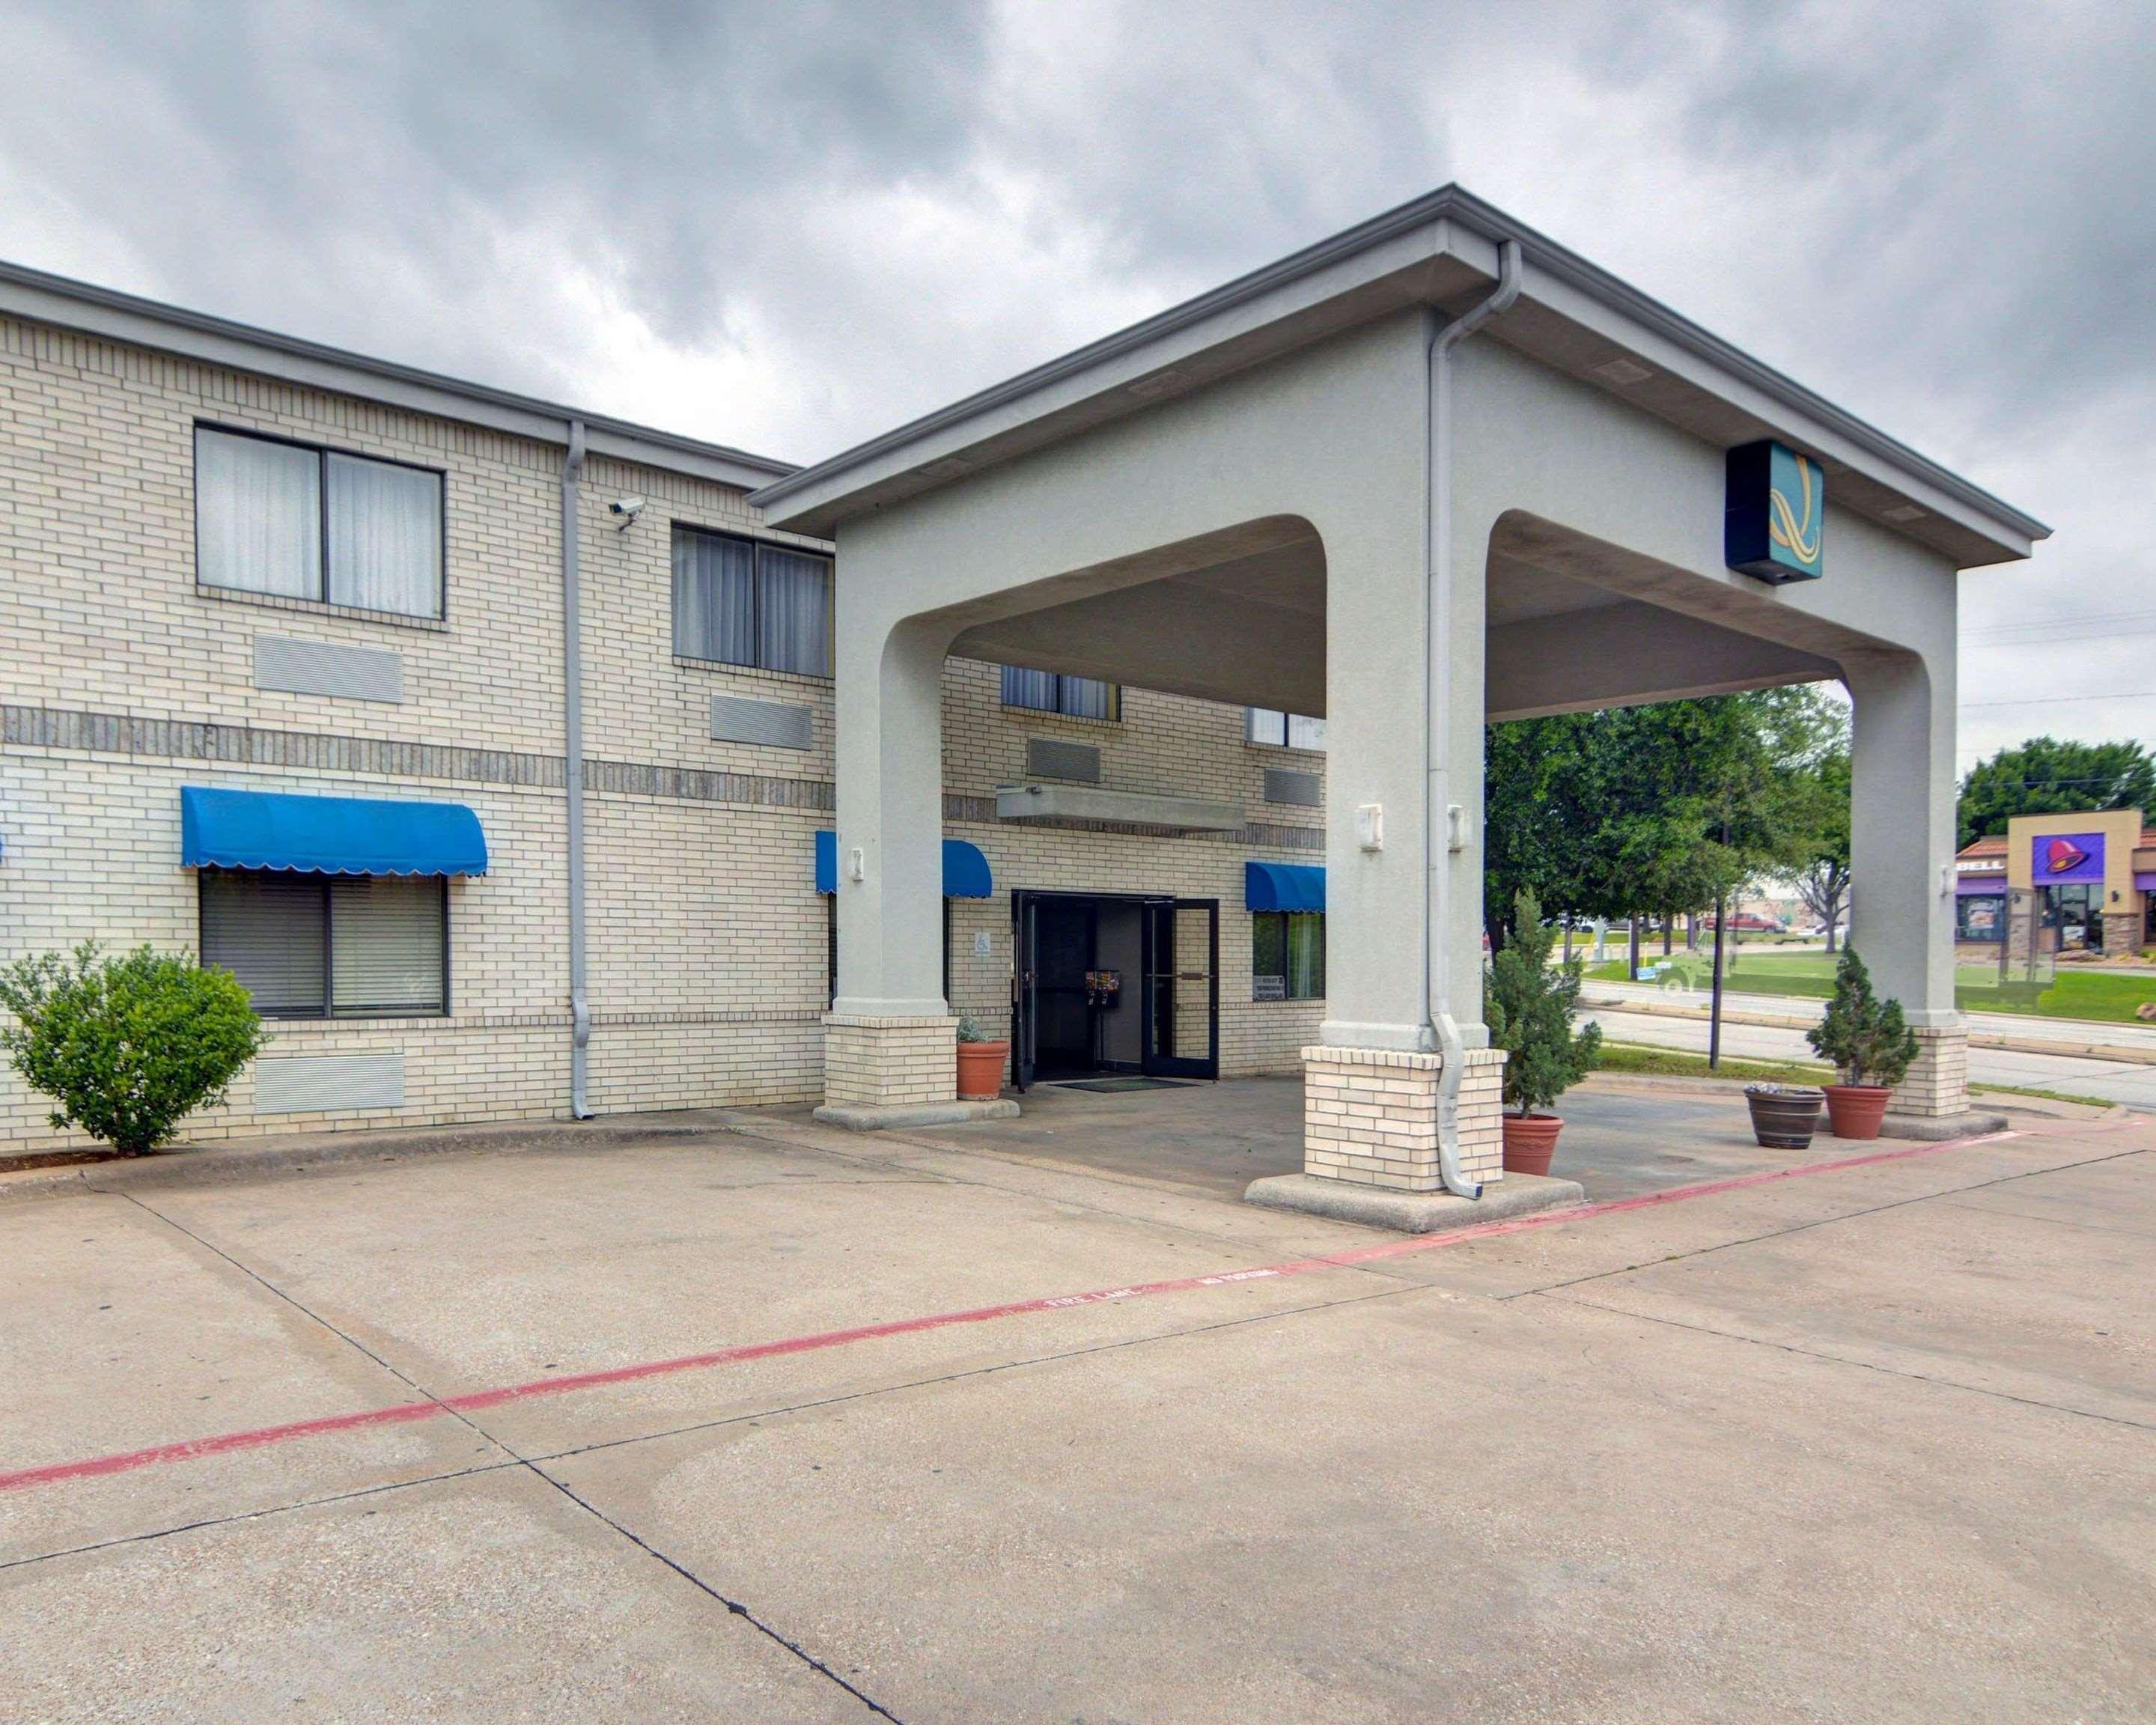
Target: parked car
x=1749 y=923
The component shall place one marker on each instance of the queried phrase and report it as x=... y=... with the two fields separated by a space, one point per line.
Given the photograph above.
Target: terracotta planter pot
x=1530 y=1142
x=1784 y=1116
x=1855 y=1110
x=981 y=1070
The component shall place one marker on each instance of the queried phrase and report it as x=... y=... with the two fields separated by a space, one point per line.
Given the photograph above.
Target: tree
x=1530 y=1005
x=1818 y=817
x=1866 y=1037
x=128 y=1046
x=1659 y=808
x=2045 y=776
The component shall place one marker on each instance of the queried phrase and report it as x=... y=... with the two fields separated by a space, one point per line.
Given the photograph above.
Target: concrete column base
x=1369 y=1117
x=1412 y=1212
x=877 y=1064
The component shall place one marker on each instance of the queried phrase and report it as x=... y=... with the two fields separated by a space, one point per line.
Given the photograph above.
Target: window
x=1980 y=918
x=306 y=523
x=743 y=602
x=1287 y=731
x=1287 y=955
x=1052 y=692
x=329 y=946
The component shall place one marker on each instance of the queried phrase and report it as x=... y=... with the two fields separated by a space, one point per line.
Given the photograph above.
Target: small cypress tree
x=1529 y=1004
x=1866 y=1038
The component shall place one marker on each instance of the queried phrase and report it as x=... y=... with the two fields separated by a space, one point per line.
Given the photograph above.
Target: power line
x=2049 y=700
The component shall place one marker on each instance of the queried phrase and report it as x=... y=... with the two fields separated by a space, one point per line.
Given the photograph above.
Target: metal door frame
x=1026 y=1028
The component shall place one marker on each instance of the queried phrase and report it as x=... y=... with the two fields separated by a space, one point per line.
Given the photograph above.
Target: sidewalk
x=2135 y=1044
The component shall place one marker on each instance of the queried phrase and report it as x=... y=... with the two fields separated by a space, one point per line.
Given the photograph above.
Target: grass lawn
x=2100 y=996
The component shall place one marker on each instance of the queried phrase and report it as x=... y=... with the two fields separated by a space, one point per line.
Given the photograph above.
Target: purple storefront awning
x=2145 y=882
x=1980 y=886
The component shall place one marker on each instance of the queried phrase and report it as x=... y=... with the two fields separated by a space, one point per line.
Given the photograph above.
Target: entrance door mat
x=1112 y=1086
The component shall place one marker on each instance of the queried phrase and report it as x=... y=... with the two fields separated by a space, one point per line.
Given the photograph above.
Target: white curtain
x=1305 y=733
x=714 y=598
x=385 y=537
x=1029 y=688
x=793 y=611
x=258 y=514
x=1266 y=725
x=1088 y=698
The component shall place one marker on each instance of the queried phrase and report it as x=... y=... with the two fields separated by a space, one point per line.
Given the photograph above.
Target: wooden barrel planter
x=1784 y=1115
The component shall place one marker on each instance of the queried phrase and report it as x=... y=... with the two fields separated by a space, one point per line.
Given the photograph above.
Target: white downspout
x=573 y=736
x=1440 y=813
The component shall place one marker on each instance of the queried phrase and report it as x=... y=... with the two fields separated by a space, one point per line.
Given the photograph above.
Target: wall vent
x=1305 y=789
x=773 y=723
x=326 y=668
x=322 y=1084
x=1047 y=757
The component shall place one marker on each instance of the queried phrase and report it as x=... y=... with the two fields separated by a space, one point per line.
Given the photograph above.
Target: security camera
x=628 y=508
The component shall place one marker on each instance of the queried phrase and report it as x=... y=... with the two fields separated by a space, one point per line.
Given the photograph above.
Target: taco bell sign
x=2064 y=859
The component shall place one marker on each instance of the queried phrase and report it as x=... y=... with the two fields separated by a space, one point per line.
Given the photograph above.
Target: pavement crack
x=1899 y=1203
x=312 y=1316
x=735 y=1607
x=1843 y=1359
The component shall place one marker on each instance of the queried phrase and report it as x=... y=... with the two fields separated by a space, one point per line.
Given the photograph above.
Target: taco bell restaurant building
x=2092 y=877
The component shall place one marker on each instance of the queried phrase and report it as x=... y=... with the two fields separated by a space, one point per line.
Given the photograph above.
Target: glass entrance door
x=1182 y=1025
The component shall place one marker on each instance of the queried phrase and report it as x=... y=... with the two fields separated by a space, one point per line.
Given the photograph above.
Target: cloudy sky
x=789 y=227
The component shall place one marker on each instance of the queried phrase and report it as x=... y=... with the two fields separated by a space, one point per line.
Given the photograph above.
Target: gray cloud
x=789 y=228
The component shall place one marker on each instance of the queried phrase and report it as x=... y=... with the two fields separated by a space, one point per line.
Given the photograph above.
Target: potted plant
x=1868 y=1040
x=1784 y=1115
x=1530 y=1003
x=980 y=1063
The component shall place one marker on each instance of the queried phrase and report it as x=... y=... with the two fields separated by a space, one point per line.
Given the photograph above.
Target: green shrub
x=1864 y=1036
x=128 y=1046
x=1529 y=1004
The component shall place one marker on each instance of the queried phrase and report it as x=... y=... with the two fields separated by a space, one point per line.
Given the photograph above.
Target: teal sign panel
x=1774 y=520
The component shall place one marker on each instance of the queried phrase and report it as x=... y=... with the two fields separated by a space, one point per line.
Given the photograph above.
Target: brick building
x=231 y=561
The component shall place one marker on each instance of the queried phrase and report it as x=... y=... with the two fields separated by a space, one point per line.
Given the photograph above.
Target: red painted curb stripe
x=405 y=1412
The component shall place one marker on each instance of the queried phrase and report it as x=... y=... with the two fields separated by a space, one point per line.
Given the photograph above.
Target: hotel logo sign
x=1774 y=520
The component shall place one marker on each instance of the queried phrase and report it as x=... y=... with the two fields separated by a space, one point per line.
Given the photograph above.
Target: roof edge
x=38 y=297
x=1449 y=203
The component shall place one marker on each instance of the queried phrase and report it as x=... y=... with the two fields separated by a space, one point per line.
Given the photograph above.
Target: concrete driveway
x=770 y=1423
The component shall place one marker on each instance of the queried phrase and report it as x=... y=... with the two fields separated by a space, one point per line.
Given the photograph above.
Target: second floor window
x=1052 y=692
x=744 y=601
x=306 y=523
x=1292 y=730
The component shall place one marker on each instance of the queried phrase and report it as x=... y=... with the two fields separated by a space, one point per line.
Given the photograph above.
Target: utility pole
x=1714 y=1006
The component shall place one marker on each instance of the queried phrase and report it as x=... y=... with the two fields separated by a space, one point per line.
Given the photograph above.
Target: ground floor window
x=1287 y=955
x=329 y=946
x=1980 y=918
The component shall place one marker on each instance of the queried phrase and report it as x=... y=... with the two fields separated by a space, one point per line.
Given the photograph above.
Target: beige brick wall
x=888 y=1063
x=1370 y=1116
x=1938 y=1084
x=123 y=680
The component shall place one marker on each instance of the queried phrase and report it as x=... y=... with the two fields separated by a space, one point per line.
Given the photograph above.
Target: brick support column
x=1937 y=1086
x=886 y=1071
x=2122 y=931
x=1370 y=1117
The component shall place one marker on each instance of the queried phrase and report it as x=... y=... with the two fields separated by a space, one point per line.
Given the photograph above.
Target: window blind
x=385 y=944
x=268 y=930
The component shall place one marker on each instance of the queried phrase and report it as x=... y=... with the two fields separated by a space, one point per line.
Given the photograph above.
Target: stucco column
x=1902 y=847
x=1394 y=655
x=890 y=1039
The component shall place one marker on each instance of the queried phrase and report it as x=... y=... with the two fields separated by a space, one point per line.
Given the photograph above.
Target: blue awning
x=1282 y=887
x=965 y=870
x=327 y=835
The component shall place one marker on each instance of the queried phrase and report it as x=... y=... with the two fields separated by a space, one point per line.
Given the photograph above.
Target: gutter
x=1441 y=816
x=572 y=737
